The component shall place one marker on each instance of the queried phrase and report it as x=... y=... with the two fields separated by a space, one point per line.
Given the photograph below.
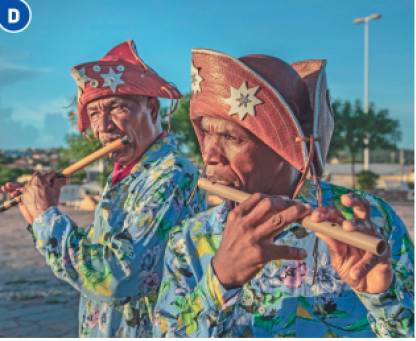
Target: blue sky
x=35 y=64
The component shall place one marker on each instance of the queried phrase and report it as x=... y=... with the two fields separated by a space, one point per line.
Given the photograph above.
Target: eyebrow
x=110 y=103
x=224 y=131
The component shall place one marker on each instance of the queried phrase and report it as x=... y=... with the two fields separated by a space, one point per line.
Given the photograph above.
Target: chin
x=120 y=158
x=123 y=156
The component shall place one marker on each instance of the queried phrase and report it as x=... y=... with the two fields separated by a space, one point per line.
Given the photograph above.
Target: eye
x=93 y=116
x=232 y=138
x=119 y=109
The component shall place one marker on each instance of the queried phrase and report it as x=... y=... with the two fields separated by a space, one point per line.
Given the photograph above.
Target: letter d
x=16 y=15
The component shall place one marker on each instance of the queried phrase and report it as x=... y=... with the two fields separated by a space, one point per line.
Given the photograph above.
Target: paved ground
x=33 y=303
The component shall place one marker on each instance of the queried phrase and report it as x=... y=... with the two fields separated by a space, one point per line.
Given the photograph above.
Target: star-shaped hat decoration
x=243 y=101
x=196 y=79
x=79 y=94
x=80 y=77
x=112 y=79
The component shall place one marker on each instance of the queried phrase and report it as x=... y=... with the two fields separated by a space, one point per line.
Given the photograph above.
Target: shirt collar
x=158 y=149
x=308 y=193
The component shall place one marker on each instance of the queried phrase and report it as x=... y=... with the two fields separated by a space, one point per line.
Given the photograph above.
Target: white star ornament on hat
x=243 y=101
x=196 y=79
x=80 y=77
x=112 y=79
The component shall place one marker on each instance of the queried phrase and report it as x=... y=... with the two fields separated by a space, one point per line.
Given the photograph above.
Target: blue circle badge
x=15 y=15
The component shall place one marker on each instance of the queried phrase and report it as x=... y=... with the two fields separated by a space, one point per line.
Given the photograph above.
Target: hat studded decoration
x=231 y=90
x=228 y=88
x=119 y=72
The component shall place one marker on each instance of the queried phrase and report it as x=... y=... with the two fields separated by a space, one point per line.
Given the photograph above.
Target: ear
x=153 y=105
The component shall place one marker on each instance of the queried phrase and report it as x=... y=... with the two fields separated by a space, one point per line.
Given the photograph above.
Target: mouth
x=221 y=182
x=110 y=138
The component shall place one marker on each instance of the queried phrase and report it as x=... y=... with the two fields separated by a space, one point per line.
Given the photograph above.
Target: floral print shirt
x=282 y=301
x=116 y=263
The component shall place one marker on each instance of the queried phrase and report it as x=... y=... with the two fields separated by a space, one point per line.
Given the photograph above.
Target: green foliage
x=78 y=148
x=182 y=129
x=411 y=185
x=78 y=177
x=11 y=174
x=4 y=160
x=353 y=126
x=367 y=180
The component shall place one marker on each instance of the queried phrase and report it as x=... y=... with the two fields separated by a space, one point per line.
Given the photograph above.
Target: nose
x=213 y=153
x=105 y=124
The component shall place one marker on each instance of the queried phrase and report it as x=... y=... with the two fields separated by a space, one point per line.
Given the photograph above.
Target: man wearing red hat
x=116 y=263
x=250 y=270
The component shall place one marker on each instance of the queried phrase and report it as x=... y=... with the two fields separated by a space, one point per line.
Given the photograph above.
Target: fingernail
x=307 y=206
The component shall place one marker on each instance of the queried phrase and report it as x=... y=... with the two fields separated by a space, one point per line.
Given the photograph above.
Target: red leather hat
x=119 y=72
x=313 y=74
x=266 y=96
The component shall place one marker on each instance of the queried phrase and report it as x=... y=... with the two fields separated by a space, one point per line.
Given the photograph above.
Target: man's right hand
x=15 y=189
x=247 y=243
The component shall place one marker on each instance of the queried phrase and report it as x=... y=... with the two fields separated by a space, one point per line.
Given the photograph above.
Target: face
x=117 y=116
x=236 y=158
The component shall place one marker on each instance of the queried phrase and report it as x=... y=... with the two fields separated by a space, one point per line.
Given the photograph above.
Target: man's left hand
x=42 y=192
x=362 y=270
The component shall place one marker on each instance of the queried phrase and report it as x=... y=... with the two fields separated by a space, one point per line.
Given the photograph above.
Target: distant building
x=81 y=196
x=17 y=152
x=94 y=170
x=389 y=175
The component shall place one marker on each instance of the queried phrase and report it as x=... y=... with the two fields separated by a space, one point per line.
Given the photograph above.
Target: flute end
x=125 y=140
x=382 y=247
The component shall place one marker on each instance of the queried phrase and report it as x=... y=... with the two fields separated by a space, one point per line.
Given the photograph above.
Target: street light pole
x=366 y=66
x=365 y=21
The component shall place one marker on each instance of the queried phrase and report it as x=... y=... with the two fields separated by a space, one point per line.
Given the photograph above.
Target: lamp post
x=365 y=20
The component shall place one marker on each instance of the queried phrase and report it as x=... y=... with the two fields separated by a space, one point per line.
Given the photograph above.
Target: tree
x=183 y=130
x=11 y=174
x=367 y=180
x=78 y=148
x=353 y=125
x=4 y=160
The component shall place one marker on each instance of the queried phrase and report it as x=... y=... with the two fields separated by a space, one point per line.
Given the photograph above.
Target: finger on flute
x=359 y=240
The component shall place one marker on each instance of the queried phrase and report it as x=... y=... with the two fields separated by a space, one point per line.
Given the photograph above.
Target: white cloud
x=36 y=123
x=35 y=110
x=11 y=72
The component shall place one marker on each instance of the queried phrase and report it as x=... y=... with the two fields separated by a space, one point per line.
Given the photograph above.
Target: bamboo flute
x=360 y=240
x=77 y=166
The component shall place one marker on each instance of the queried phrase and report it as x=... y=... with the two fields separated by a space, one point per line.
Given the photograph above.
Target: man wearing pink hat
x=252 y=271
x=116 y=263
